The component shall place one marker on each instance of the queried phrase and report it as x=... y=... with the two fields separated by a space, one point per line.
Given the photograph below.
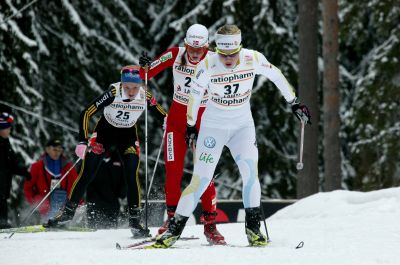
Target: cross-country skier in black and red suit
x=122 y=105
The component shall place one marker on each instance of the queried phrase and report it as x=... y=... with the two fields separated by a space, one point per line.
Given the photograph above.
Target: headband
x=228 y=42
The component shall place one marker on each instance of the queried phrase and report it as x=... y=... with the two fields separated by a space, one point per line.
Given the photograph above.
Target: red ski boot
x=211 y=232
x=170 y=214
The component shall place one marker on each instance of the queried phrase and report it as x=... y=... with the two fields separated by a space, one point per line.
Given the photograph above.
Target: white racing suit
x=227 y=121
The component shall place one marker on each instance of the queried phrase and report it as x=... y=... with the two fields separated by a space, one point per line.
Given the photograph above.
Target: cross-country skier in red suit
x=183 y=61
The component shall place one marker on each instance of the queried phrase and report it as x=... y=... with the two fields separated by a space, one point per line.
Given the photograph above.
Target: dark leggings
x=91 y=164
x=125 y=140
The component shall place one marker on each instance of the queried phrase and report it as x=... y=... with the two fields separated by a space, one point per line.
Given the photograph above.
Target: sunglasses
x=130 y=70
x=229 y=55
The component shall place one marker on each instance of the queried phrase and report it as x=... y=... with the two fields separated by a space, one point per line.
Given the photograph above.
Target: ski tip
x=117 y=246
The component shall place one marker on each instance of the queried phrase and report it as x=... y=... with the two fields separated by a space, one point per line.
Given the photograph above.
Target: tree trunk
x=307 y=180
x=332 y=158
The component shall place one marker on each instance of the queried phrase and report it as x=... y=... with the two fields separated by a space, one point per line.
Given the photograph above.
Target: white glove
x=164 y=126
x=80 y=150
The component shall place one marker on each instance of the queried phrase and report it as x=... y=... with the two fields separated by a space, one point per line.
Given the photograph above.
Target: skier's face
x=195 y=54
x=5 y=133
x=131 y=89
x=229 y=58
x=54 y=152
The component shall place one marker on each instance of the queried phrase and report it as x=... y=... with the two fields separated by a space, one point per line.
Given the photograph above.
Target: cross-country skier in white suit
x=227 y=121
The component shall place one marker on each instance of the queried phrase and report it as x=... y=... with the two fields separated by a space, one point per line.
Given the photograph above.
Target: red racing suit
x=174 y=145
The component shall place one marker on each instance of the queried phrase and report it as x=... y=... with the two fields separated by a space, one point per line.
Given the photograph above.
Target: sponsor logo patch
x=209 y=142
x=154 y=64
x=231 y=78
x=184 y=69
x=196 y=36
x=248 y=60
x=207 y=158
x=266 y=65
x=199 y=73
x=101 y=100
x=195 y=91
x=170 y=146
x=166 y=57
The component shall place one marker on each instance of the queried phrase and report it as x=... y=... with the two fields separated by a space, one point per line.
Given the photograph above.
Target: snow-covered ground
x=337 y=228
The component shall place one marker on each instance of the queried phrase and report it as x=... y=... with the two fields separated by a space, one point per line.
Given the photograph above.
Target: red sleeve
x=165 y=60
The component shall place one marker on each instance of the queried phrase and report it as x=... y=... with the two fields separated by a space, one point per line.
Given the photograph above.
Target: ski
x=243 y=246
x=143 y=243
x=41 y=228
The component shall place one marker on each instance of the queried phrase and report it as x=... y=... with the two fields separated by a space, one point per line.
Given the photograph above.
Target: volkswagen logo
x=209 y=142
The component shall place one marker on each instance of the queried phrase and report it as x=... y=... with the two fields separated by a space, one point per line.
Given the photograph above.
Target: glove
x=164 y=126
x=80 y=149
x=144 y=60
x=191 y=135
x=301 y=112
x=27 y=175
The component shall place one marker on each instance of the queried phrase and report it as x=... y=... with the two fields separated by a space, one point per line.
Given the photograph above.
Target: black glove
x=27 y=175
x=144 y=60
x=301 y=112
x=191 y=135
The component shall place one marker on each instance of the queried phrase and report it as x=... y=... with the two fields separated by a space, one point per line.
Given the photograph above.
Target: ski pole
x=155 y=166
x=146 y=69
x=265 y=222
x=299 y=165
x=48 y=194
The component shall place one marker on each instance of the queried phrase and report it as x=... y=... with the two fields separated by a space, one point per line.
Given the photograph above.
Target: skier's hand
x=144 y=60
x=301 y=112
x=80 y=149
x=191 y=135
x=164 y=126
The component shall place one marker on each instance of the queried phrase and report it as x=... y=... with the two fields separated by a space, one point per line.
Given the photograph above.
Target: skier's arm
x=99 y=103
x=30 y=189
x=154 y=107
x=197 y=89
x=165 y=60
x=18 y=168
x=265 y=68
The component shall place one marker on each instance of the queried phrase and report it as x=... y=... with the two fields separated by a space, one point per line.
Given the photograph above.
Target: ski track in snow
x=338 y=228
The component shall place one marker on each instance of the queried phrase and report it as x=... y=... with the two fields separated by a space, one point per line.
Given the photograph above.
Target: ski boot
x=211 y=232
x=169 y=237
x=254 y=235
x=64 y=217
x=137 y=229
x=170 y=213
